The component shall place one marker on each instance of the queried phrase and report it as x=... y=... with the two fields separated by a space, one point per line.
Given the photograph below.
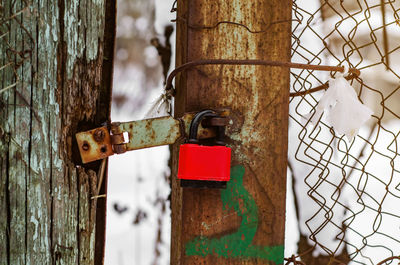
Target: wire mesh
x=347 y=192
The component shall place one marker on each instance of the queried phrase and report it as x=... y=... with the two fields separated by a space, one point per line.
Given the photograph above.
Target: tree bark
x=243 y=224
x=54 y=52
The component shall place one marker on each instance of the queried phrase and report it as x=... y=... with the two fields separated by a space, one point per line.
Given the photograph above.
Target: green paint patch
x=238 y=244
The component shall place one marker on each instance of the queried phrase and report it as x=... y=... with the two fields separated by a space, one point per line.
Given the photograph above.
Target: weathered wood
x=47 y=215
x=243 y=224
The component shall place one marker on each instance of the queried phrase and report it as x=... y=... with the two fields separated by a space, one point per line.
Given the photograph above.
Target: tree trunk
x=52 y=63
x=243 y=224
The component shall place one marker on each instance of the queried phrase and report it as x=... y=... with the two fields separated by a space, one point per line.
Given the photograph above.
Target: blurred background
x=341 y=194
x=138 y=216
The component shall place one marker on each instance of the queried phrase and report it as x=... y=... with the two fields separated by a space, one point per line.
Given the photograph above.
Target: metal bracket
x=120 y=137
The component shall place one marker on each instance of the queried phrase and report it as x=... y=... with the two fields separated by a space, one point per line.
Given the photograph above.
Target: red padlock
x=204 y=166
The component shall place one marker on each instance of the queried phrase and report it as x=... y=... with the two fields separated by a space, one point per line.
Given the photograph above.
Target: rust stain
x=99 y=135
x=119 y=148
x=148 y=124
x=117 y=139
x=153 y=134
x=115 y=128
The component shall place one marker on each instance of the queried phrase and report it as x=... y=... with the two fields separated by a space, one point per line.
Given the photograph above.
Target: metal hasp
x=105 y=141
x=94 y=144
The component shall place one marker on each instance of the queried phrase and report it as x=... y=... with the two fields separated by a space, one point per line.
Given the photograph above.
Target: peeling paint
x=205 y=225
x=36 y=223
x=77 y=40
x=35 y=163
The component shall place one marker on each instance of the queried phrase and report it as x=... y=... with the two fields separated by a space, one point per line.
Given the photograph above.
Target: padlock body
x=199 y=162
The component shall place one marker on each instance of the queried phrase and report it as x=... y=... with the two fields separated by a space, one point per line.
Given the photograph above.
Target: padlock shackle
x=194 y=125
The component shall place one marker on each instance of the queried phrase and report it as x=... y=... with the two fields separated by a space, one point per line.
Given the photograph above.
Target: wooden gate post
x=53 y=56
x=243 y=224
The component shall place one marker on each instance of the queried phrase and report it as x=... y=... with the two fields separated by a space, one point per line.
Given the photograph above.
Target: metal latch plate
x=94 y=144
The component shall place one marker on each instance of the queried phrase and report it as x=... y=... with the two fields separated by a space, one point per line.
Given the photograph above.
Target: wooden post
x=50 y=88
x=243 y=224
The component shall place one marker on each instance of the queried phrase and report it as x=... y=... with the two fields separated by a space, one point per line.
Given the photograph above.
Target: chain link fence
x=347 y=192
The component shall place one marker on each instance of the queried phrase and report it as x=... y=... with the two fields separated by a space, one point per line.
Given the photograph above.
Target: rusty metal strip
x=100 y=143
x=151 y=132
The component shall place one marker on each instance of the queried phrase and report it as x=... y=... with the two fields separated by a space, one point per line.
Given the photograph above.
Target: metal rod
x=318 y=88
x=191 y=64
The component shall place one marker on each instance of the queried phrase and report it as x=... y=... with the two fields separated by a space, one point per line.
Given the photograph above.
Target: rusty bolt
x=119 y=148
x=99 y=135
x=85 y=146
x=117 y=139
x=115 y=128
